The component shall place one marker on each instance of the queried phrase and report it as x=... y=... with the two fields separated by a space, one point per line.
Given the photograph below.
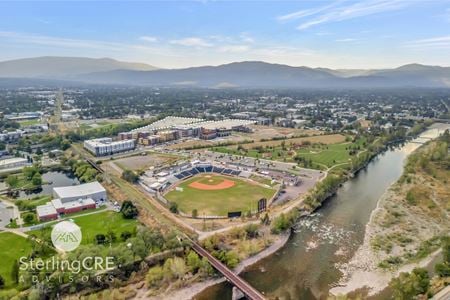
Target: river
x=305 y=268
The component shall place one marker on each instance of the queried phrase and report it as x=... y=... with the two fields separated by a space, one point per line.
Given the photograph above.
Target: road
x=238 y=282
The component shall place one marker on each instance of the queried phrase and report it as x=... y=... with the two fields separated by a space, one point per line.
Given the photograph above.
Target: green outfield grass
x=12 y=247
x=243 y=196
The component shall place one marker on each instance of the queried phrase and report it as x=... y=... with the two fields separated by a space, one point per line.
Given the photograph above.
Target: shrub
x=130 y=176
x=173 y=207
x=129 y=210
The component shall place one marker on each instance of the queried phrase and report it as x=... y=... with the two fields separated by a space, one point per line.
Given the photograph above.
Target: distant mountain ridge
x=262 y=75
x=247 y=74
x=55 y=67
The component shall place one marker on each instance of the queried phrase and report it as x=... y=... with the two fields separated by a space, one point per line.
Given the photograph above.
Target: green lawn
x=99 y=223
x=243 y=196
x=26 y=123
x=103 y=222
x=12 y=247
x=320 y=155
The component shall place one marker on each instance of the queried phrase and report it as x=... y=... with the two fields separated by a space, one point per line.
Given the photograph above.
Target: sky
x=179 y=34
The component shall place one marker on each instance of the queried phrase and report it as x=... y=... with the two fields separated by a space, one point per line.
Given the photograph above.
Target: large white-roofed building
x=106 y=146
x=93 y=190
x=15 y=162
x=167 y=123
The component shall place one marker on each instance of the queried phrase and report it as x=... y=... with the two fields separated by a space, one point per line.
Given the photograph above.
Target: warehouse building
x=93 y=190
x=71 y=199
x=106 y=146
x=12 y=163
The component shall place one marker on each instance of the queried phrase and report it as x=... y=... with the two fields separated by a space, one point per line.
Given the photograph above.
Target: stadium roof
x=167 y=122
x=227 y=123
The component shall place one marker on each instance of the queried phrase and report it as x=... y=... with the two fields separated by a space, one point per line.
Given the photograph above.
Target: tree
x=12 y=180
x=178 y=267
x=409 y=285
x=130 y=176
x=29 y=172
x=443 y=269
x=28 y=218
x=194 y=213
x=37 y=179
x=193 y=261
x=231 y=259
x=173 y=207
x=2 y=282
x=154 y=275
x=138 y=248
x=129 y=210
x=125 y=235
x=65 y=144
x=100 y=238
x=111 y=236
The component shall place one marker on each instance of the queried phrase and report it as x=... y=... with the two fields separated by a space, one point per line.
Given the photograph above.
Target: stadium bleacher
x=217 y=170
x=205 y=169
x=227 y=171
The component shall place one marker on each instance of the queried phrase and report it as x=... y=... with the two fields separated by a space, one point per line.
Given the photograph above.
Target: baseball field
x=216 y=195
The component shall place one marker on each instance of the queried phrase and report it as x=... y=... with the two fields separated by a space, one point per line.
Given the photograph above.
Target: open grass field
x=26 y=123
x=222 y=196
x=324 y=139
x=321 y=152
x=99 y=223
x=103 y=222
x=12 y=247
x=260 y=133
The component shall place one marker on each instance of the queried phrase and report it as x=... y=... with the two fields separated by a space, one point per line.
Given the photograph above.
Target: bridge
x=94 y=165
x=249 y=291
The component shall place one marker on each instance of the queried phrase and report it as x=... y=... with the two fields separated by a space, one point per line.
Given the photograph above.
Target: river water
x=52 y=179
x=305 y=268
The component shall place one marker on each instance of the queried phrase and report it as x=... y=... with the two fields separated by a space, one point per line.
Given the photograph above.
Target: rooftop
x=45 y=210
x=79 y=190
x=168 y=122
x=12 y=160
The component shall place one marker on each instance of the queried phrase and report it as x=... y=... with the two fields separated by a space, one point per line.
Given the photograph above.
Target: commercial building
x=51 y=210
x=173 y=128
x=23 y=116
x=46 y=212
x=10 y=136
x=106 y=146
x=11 y=163
x=71 y=199
x=93 y=190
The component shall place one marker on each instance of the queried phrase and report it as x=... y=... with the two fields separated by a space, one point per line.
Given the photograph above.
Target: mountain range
x=247 y=74
x=54 y=67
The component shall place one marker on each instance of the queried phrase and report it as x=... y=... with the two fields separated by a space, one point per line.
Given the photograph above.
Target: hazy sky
x=336 y=34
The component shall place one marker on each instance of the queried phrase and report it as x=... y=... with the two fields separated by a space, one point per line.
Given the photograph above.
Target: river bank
x=403 y=231
x=363 y=271
x=190 y=292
